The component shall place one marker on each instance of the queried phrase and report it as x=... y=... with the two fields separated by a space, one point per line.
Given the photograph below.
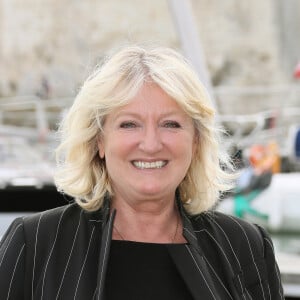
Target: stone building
x=48 y=47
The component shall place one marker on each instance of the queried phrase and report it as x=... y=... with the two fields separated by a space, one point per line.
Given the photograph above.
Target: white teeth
x=149 y=165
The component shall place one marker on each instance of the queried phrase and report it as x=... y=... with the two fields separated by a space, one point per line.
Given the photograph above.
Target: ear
x=100 y=144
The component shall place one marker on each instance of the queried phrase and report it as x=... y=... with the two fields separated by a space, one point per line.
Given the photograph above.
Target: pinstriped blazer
x=62 y=254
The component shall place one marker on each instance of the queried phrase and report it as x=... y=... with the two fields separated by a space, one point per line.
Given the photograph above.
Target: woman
x=140 y=154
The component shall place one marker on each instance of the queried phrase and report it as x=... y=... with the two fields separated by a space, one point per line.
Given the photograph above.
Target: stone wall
x=48 y=47
x=59 y=42
x=240 y=38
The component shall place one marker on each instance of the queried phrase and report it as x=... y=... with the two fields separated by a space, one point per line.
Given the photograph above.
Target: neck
x=157 y=222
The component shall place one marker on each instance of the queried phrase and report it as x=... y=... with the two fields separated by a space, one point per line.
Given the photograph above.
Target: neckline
x=124 y=242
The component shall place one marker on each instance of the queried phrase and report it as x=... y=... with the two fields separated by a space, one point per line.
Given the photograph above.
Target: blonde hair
x=80 y=171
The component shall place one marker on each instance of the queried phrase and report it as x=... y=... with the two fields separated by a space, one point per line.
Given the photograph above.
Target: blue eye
x=171 y=124
x=128 y=124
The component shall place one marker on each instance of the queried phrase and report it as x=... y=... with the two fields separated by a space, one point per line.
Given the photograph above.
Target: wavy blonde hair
x=80 y=171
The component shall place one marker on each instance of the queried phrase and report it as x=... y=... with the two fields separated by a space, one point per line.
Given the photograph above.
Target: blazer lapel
x=192 y=264
x=106 y=236
x=194 y=272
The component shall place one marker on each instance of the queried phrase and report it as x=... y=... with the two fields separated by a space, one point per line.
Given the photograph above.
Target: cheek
x=183 y=152
x=119 y=147
x=187 y=145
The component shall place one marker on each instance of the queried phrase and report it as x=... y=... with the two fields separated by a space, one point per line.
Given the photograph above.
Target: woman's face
x=148 y=146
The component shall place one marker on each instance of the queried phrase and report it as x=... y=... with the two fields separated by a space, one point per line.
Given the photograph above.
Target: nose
x=151 y=140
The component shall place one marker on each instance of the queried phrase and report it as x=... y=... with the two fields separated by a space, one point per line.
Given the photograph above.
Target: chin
x=155 y=192
x=150 y=192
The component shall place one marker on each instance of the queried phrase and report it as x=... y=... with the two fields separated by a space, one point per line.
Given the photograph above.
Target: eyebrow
x=137 y=115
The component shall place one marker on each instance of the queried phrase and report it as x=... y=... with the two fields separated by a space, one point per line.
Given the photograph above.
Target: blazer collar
x=197 y=253
x=188 y=230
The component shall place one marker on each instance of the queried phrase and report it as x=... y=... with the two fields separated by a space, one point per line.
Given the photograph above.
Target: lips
x=149 y=165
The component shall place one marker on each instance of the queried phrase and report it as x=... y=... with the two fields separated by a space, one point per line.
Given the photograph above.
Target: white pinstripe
x=105 y=249
x=74 y=240
x=83 y=265
x=51 y=251
x=192 y=235
x=277 y=273
x=188 y=220
x=226 y=236
x=230 y=245
x=252 y=256
x=9 y=242
x=97 y=221
x=219 y=246
x=13 y=275
x=276 y=269
x=35 y=246
x=241 y=286
x=248 y=294
x=200 y=272
x=219 y=279
x=206 y=231
x=260 y=281
x=94 y=295
x=269 y=291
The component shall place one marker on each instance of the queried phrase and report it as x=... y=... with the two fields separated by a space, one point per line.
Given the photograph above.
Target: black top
x=139 y=270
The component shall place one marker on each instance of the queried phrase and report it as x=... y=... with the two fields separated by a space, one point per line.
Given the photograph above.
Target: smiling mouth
x=149 y=165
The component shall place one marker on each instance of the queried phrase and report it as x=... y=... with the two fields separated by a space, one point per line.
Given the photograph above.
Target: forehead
x=151 y=99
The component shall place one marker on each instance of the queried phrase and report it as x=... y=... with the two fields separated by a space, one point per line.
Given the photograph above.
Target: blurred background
x=246 y=52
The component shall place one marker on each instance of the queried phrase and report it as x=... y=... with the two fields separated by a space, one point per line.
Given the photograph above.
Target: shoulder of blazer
x=52 y=216
x=68 y=213
x=241 y=241
x=248 y=249
x=230 y=243
x=59 y=222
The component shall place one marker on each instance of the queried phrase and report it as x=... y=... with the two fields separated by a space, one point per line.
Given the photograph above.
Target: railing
x=259 y=114
x=27 y=140
x=30 y=116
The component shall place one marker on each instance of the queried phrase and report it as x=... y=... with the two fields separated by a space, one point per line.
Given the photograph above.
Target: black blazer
x=62 y=254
